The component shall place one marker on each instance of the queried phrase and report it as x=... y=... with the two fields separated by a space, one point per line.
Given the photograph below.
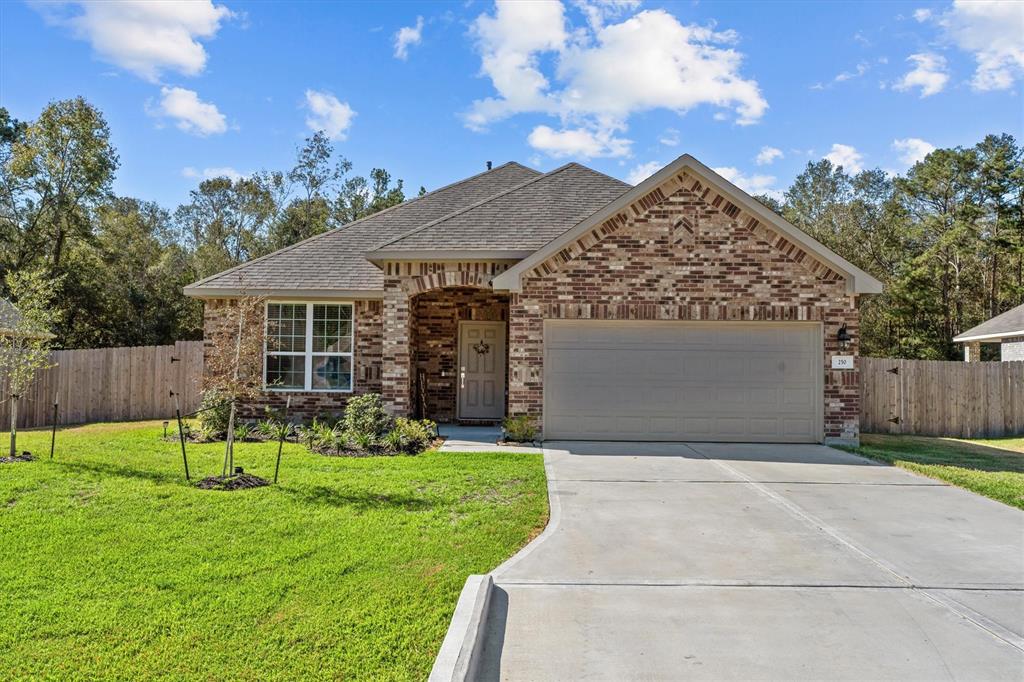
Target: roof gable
x=687 y=172
x=333 y=263
x=517 y=221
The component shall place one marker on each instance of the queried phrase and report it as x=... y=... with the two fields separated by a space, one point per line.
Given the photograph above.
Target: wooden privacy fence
x=111 y=384
x=940 y=398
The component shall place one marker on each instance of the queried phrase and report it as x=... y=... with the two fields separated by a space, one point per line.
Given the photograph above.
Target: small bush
x=520 y=429
x=409 y=436
x=274 y=429
x=216 y=410
x=243 y=432
x=365 y=417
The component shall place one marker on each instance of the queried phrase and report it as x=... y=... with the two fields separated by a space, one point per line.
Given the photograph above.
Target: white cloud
x=142 y=36
x=929 y=74
x=993 y=32
x=922 y=14
x=767 y=155
x=751 y=184
x=577 y=142
x=509 y=43
x=859 y=70
x=601 y=75
x=599 y=11
x=407 y=36
x=912 y=149
x=846 y=156
x=191 y=113
x=670 y=138
x=645 y=170
x=215 y=172
x=652 y=61
x=328 y=114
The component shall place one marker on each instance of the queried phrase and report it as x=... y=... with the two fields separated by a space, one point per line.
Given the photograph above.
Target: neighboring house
x=1007 y=330
x=679 y=309
x=11 y=323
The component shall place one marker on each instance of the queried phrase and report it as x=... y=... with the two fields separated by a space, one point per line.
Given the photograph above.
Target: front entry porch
x=459 y=344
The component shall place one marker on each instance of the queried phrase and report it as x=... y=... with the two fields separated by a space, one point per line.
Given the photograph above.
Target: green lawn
x=993 y=468
x=111 y=566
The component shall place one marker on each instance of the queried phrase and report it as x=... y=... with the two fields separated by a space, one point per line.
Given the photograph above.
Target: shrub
x=243 y=432
x=365 y=417
x=409 y=436
x=519 y=429
x=274 y=429
x=216 y=409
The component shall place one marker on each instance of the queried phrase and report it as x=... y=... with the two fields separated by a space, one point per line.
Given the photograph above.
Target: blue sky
x=431 y=91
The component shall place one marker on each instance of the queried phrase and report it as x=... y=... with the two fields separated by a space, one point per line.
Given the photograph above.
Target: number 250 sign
x=842 y=362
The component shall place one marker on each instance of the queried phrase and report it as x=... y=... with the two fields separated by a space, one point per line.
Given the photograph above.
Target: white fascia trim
x=294 y=294
x=988 y=337
x=858 y=281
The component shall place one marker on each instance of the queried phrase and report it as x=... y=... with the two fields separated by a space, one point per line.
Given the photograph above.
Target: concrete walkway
x=459 y=438
x=740 y=562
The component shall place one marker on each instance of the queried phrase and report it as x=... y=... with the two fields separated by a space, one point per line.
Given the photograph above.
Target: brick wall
x=306 y=405
x=435 y=332
x=403 y=282
x=682 y=255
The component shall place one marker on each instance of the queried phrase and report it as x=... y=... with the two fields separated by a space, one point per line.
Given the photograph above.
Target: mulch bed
x=23 y=457
x=236 y=482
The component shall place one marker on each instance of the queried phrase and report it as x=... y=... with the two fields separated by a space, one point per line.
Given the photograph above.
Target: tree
x=234 y=362
x=56 y=170
x=226 y=221
x=359 y=198
x=24 y=337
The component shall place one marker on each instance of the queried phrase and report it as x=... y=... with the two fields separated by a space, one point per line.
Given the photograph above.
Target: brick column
x=396 y=375
x=972 y=351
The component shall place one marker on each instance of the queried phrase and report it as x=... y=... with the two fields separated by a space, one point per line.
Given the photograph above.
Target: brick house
x=679 y=309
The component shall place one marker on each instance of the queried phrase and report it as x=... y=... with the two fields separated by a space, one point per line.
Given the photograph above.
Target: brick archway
x=414 y=286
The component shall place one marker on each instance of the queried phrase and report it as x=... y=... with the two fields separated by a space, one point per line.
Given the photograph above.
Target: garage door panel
x=683 y=381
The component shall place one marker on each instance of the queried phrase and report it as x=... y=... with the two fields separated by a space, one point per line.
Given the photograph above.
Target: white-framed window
x=309 y=347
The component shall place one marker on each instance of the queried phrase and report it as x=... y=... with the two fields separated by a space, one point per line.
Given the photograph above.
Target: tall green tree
x=56 y=170
x=226 y=222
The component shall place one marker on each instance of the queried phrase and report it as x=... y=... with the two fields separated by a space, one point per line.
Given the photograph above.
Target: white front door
x=481 y=370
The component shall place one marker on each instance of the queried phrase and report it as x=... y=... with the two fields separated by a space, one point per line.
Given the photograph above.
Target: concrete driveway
x=740 y=562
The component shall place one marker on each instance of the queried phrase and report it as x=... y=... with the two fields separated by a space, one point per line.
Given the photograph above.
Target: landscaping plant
x=365 y=416
x=234 y=363
x=520 y=429
x=24 y=338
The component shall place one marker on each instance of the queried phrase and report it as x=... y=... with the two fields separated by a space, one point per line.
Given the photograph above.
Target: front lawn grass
x=113 y=567
x=993 y=468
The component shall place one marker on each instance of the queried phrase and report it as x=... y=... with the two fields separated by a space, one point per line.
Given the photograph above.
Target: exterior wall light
x=843 y=337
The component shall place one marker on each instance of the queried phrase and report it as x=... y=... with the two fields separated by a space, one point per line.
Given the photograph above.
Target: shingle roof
x=523 y=218
x=10 y=318
x=335 y=260
x=9 y=315
x=1010 y=323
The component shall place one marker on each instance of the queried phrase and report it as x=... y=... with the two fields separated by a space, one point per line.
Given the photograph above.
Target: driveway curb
x=459 y=657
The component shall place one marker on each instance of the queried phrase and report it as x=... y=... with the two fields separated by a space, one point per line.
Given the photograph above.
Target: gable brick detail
x=635 y=267
x=695 y=189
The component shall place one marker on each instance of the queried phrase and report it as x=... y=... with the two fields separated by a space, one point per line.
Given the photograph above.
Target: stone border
x=459 y=657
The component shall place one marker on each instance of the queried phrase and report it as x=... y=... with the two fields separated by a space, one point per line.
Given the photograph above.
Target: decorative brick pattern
x=405 y=283
x=306 y=405
x=661 y=196
x=436 y=317
x=636 y=266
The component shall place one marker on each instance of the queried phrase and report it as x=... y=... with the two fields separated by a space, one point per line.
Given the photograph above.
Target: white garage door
x=702 y=381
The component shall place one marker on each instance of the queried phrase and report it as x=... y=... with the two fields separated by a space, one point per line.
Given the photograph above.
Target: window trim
x=308 y=354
